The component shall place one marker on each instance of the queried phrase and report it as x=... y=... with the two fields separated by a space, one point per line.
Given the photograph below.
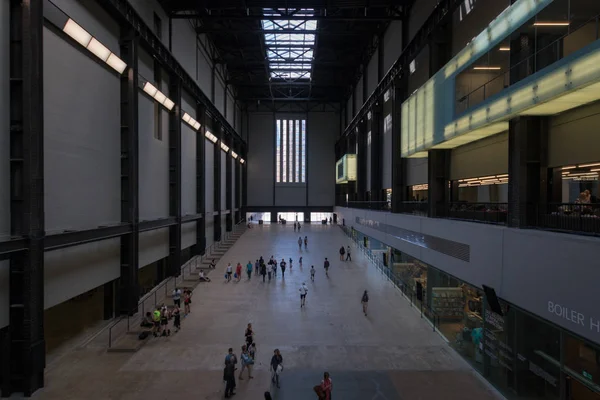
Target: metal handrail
x=408 y=293
x=165 y=284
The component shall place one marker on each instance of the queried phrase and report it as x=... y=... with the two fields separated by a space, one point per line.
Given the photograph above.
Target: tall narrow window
x=290 y=151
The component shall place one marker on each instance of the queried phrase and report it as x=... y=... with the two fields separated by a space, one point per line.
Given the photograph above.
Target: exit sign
x=587 y=375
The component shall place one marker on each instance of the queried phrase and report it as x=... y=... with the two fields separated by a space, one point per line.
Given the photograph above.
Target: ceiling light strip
x=81 y=36
x=159 y=96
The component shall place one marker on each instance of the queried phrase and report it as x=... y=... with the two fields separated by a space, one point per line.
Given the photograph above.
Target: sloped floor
x=391 y=354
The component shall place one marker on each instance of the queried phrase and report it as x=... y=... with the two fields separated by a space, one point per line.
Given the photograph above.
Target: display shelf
x=448 y=302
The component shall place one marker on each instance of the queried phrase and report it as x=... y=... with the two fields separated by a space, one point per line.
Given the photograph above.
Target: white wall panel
x=488 y=156
x=209 y=160
x=261 y=162
x=574 y=137
x=204 y=69
x=188 y=169
x=417 y=171
x=188 y=235
x=184 y=45
x=392 y=44
x=75 y=270
x=322 y=130
x=4 y=127
x=372 y=73
x=154 y=245
x=219 y=95
x=81 y=138
x=230 y=110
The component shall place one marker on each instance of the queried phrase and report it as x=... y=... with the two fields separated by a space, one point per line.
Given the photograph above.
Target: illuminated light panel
x=562 y=23
x=197 y=125
x=424 y=186
x=589 y=165
x=150 y=89
x=187 y=118
x=242 y=161
x=98 y=49
x=482 y=68
x=160 y=97
x=224 y=147
x=504 y=49
x=116 y=63
x=210 y=136
x=569 y=167
x=77 y=33
x=234 y=154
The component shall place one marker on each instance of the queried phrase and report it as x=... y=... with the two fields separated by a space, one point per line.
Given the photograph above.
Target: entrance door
x=578 y=391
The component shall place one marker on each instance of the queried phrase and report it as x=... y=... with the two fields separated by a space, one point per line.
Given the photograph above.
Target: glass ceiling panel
x=287 y=62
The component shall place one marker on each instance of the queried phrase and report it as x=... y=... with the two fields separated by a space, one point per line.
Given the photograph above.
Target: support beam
x=199 y=248
x=228 y=187
x=218 y=153
x=333 y=18
x=174 y=266
x=23 y=347
x=438 y=171
x=128 y=287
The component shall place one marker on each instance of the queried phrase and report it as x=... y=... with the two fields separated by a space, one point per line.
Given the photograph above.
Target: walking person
x=228 y=272
x=305 y=242
x=326 y=266
x=300 y=262
x=303 y=292
x=274 y=268
x=249 y=335
x=365 y=302
x=238 y=271
x=276 y=366
x=348 y=257
x=247 y=363
x=187 y=301
x=342 y=252
x=256 y=266
x=176 y=319
x=229 y=373
x=282 y=265
x=294 y=227
x=300 y=243
x=269 y=272
x=291 y=261
x=249 y=269
x=298 y=226
x=263 y=271
x=312 y=273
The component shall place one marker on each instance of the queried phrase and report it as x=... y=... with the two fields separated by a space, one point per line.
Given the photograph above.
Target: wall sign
x=574 y=317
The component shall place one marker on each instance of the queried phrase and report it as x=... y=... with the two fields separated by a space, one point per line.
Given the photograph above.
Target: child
x=312 y=273
x=252 y=350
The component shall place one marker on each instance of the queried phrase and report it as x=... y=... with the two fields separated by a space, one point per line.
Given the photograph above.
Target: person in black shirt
x=276 y=366
x=282 y=265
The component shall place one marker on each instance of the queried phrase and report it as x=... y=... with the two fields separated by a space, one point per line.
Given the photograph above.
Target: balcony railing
x=414 y=207
x=570 y=217
x=369 y=205
x=491 y=213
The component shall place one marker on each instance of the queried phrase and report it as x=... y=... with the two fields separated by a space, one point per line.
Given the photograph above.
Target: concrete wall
x=358 y=94
x=223 y=181
x=372 y=80
x=322 y=131
x=261 y=162
x=392 y=44
x=5 y=137
x=230 y=108
x=146 y=9
x=528 y=268
x=188 y=173
x=204 y=73
x=419 y=14
x=209 y=182
x=416 y=173
x=574 y=136
x=488 y=156
x=219 y=95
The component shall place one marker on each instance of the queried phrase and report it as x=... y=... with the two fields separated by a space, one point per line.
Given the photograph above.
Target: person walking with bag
x=348 y=257
x=282 y=265
x=342 y=252
x=247 y=363
x=276 y=366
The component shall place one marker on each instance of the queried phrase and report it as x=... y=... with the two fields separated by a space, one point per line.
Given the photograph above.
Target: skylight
x=290 y=54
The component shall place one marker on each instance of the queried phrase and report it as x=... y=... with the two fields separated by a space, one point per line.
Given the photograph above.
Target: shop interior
x=416 y=192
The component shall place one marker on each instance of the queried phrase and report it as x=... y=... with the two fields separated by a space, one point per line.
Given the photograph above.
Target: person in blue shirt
x=249 y=267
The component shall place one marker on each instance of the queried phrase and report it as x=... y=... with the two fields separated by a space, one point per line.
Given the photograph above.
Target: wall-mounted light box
x=159 y=96
x=85 y=39
x=190 y=121
x=242 y=161
x=234 y=154
x=210 y=136
x=224 y=147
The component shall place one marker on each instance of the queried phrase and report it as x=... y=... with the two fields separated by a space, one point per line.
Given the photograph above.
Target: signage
x=574 y=316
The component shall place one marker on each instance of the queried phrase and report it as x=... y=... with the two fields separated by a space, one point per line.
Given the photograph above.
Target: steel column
x=23 y=347
x=438 y=171
x=174 y=266
x=200 y=182
x=238 y=182
x=377 y=153
x=244 y=155
x=128 y=286
x=228 y=194
x=217 y=183
x=399 y=190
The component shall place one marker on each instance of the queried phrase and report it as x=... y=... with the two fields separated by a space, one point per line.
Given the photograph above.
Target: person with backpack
x=365 y=302
x=342 y=252
x=276 y=366
x=247 y=363
x=326 y=266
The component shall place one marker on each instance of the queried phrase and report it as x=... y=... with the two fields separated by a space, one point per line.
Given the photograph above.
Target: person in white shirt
x=303 y=291
x=203 y=278
x=176 y=297
x=229 y=271
x=312 y=273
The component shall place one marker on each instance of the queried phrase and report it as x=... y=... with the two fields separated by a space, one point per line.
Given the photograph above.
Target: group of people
x=346 y=252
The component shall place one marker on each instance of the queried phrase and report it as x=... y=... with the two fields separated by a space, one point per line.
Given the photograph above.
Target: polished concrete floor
x=390 y=354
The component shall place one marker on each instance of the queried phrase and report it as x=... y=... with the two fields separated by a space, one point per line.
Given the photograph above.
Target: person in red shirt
x=327 y=386
x=238 y=271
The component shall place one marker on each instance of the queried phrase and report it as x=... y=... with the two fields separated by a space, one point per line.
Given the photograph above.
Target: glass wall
x=291 y=216
x=319 y=217
x=523 y=356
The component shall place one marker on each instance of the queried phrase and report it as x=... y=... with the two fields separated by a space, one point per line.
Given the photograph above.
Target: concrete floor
x=391 y=354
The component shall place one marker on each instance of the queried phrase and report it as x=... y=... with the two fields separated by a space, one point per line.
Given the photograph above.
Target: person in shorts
x=303 y=292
